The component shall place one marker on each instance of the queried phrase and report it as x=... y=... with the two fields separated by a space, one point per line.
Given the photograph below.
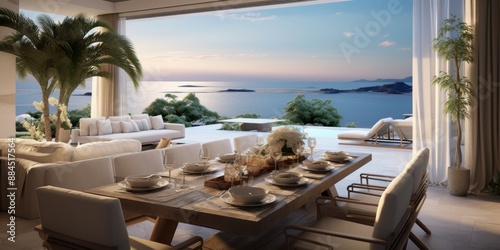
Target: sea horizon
x=267 y=99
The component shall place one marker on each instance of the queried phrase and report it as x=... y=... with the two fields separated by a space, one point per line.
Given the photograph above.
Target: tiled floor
x=471 y=222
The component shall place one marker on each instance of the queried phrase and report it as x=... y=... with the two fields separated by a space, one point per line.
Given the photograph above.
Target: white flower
x=289 y=135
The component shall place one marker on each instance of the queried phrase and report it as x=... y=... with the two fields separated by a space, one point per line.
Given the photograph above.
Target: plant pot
x=458 y=181
x=64 y=135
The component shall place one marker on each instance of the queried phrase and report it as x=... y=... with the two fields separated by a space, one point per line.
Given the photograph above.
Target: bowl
x=246 y=194
x=287 y=177
x=142 y=180
x=196 y=166
x=227 y=157
x=316 y=165
x=338 y=156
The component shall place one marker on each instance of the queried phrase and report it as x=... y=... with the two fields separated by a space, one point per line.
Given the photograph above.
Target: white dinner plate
x=223 y=161
x=347 y=159
x=327 y=169
x=126 y=186
x=229 y=200
x=210 y=169
x=301 y=182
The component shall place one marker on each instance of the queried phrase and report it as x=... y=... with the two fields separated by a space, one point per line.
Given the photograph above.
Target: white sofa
x=32 y=158
x=144 y=128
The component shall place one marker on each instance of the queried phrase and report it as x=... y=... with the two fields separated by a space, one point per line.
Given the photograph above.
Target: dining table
x=205 y=206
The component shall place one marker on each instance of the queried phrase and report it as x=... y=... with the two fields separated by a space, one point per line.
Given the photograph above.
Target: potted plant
x=454 y=43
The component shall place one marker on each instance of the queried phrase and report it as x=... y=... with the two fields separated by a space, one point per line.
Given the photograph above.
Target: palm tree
x=34 y=55
x=64 y=54
x=85 y=45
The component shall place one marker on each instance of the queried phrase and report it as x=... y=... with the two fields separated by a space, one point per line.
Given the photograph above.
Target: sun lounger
x=404 y=130
x=381 y=131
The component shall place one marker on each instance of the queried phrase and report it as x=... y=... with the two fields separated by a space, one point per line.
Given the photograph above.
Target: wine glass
x=204 y=156
x=169 y=163
x=276 y=155
x=311 y=143
x=233 y=171
x=297 y=150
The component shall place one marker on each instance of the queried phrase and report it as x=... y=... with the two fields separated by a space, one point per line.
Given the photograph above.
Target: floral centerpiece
x=284 y=138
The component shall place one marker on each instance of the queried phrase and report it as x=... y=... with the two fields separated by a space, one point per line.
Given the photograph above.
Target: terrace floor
x=470 y=222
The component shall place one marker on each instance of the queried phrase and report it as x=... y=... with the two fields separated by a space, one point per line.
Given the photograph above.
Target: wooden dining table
x=200 y=205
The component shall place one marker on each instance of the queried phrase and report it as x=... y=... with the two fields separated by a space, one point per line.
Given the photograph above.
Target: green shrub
x=311 y=112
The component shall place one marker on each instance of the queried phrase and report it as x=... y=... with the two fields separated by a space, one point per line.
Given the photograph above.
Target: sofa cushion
x=157 y=122
x=44 y=152
x=138 y=123
x=119 y=118
x=116 y=127
x=129 y=127
x=145 y=124
x=105 y=148
x=142 y=116
x=104 y=127
x=85 y=124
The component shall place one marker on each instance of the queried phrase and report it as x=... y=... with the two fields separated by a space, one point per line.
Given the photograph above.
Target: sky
x=338 y=41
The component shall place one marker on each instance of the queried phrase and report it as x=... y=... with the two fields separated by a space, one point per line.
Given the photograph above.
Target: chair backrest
x=393 y=207
x=184 y=153
x=417 y=167
x=81 y=175
x=145 y=162
x=380 y=128
x=215 y=148
x=245 y=142
x=82 y=219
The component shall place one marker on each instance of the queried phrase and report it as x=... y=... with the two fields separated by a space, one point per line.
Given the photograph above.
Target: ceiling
x=132 y=9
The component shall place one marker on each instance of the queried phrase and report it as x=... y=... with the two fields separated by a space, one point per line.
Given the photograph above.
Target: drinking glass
x=169 y=164
x=297 y=150
x=276 y=155
x=233 y=171
x=204 y=156
x=311 y=143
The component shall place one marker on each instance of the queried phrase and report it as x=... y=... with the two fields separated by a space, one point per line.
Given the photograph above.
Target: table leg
x=332 y=191
x=164 y=230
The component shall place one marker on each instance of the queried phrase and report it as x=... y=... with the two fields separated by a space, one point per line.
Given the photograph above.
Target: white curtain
x=431 y=128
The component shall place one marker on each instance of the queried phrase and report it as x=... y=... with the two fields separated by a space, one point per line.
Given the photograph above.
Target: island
x=237 y=90
x=391 y=88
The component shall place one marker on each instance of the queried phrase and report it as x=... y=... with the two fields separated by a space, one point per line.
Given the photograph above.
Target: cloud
x=349 y=34
x=387 y=43
x=339 y=13
x=249 y=16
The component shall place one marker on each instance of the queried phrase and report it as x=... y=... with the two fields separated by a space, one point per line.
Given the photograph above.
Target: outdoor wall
x=7 y=83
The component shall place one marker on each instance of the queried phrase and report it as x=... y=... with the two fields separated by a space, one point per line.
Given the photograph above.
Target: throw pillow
x=116 y=127
x=85 y=125
x=93 y=129
x=138 y=123
x=145 y=124
x=142 y=116
x=104 y=127
x=157 y=122
x=129 y=126
x=164 y=142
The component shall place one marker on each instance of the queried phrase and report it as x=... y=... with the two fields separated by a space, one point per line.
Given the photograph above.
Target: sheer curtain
x=431 y=128
x=483 y=134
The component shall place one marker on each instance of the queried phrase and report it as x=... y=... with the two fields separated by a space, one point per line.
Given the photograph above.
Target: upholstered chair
x=245 y=142
x=145 y=162
x=77 y=220
x=215 y=148
x=184 y=153
x=389 y=230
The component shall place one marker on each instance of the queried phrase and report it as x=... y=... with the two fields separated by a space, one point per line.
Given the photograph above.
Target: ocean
x=268 y=99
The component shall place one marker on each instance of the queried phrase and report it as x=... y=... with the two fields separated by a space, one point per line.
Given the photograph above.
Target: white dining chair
x=76 y=220
x=215 y=148
x=81 y=175
x=245 y=142
x=145 y=162
x=184 y=153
